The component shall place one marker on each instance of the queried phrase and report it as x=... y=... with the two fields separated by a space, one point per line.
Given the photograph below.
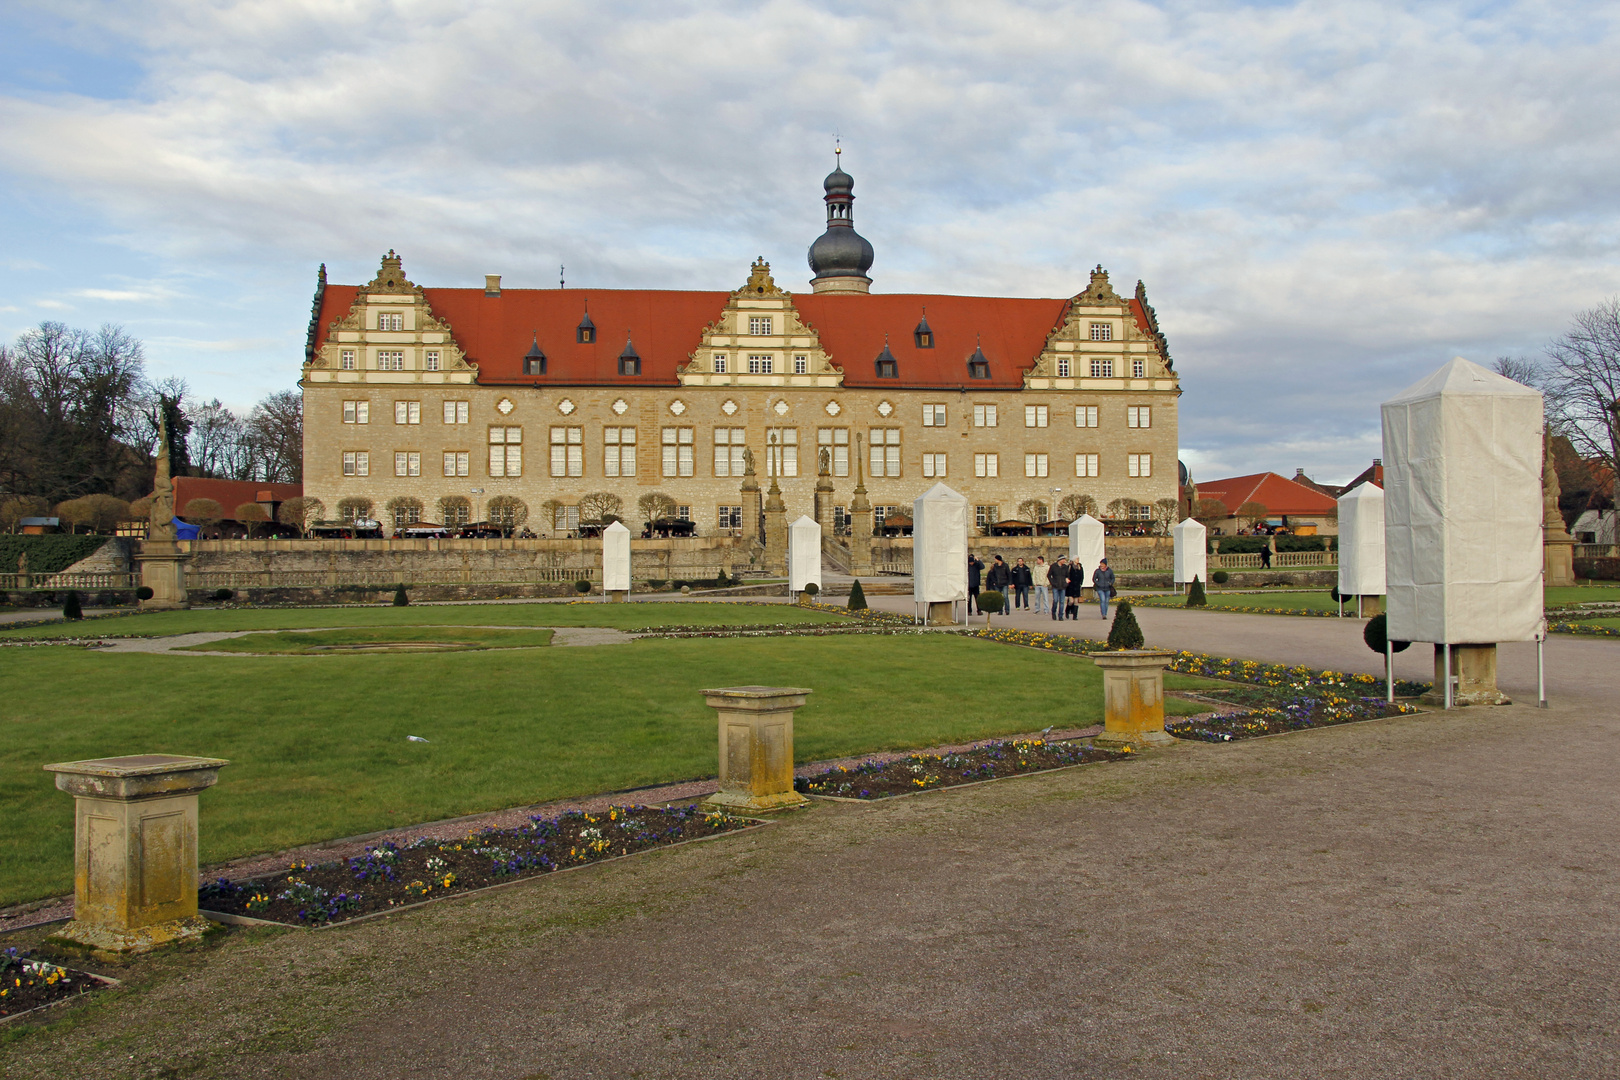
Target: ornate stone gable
x=1098 y=343
x=358 y=329
x=759 y=339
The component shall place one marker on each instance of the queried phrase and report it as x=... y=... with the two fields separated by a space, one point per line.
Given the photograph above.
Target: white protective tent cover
x=1191 y=555
x=1086 y=544
x=804 y=553
x=939 y=535
x=1361 y=541
x=1463 y=508
x=616 y=558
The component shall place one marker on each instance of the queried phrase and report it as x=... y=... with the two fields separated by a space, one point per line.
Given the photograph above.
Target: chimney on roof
x=1379 y=462
x=1299 y=474
x=492 y=284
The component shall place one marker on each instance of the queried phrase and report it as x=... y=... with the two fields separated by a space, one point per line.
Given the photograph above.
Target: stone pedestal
x=1369 y=605
x=756 y=746
x=135 y=849
x=163 y=570
x=1559 y=566
x=942 y=613
x=618 y=596
x=1133 y=699
x=1474 y=667
x=776 y=537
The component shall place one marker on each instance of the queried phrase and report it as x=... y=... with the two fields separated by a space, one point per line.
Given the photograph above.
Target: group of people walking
x=1057 y=586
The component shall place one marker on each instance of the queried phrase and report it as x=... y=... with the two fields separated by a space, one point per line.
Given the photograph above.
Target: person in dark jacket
x=1058 y=578
x=998 y=579
x=1072 y=590
x=1103 y=582
x=975 y=571
x=1022 y=579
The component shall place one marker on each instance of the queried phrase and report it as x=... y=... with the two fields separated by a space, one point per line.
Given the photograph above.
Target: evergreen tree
x=1195 y=594
x=71 y=609
x=1125 y=633
x=400 y=599
x=857 y=597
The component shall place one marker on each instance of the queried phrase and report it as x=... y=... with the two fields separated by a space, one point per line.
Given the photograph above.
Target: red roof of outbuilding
x=229 y=493
x=667 y=327
x=1278 y=494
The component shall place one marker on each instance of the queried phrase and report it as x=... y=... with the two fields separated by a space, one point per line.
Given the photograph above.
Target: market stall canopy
x=804 y=554
x=1361 y=541
x=1191 y=560
x=939 y=546
x=1463 y=508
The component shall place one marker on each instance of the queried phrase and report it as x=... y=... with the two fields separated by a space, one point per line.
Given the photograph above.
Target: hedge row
x=1599 y=569
x=46 y=554
x=1253 y=545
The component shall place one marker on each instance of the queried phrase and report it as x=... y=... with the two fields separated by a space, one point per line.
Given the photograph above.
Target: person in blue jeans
x=1021 y=581
x=1102 y=581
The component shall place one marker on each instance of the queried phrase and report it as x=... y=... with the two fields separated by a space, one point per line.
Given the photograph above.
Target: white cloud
x=1324 y=199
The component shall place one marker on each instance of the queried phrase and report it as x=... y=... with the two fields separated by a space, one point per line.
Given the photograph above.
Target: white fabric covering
x=616 y=558
x=1191 y=556
x=1086 y=544
x=1462 y=508
x=804 y=553
x=939 y=535
x=1361 y=541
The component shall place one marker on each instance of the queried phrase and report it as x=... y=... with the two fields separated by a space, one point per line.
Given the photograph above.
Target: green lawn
x=1322 y=601
x=619 y=616
x=319 y=747
x=322 y=642
x=1606 y=592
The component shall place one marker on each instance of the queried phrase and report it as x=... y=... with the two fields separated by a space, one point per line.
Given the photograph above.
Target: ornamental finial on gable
x=1100 y=291
x=391 y=276
x=760 y=282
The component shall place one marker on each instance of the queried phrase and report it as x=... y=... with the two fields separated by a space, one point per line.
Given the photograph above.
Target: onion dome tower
x=840 y=257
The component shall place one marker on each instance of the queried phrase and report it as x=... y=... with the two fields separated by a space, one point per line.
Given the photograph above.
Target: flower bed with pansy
x=389 y=876
x=26 y=983
x=926 y=772
x=1274 y=710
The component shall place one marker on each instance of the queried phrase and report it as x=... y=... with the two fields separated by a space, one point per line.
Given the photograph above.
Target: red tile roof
x=1278 y=494
x=667 y=327
x=229 y=493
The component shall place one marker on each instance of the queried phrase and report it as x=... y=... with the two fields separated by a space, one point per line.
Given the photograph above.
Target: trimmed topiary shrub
x=582 y=586
x=400 y=599
x=1334 y=595
x=1375 y=633
x=1600 y=568
x=1220 y=577
x=71 y=609
x=143 y=593
x=1125 y=633
x=857 y=596
x=991 y=602
x=721 y=581
x=223 y=595
x=812 y=589
x=1195 y=593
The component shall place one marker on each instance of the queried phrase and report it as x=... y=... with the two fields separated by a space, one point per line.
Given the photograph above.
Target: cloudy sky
x=1326 y=200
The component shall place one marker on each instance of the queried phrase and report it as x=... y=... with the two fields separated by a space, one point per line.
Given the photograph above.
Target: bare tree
x=1583 y=383
x=1253 y=514
x=508 y=513
x=252 y=514
x=655 y=505
x=13 y=508
x=599 y=505
x=1032 y=510
x=275 y=430
x=1122 y=507
x=219 y=445
x=1521 y=369
x=300 y=512
x=1165 y=512
x=354 y=508
x=1209 y=510
x=1074 y=506
x=204 y=513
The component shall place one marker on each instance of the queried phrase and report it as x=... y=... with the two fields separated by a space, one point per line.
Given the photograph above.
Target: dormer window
x=978 y=365
x=585 y=333
x=534 y=361
x=629 y=360
x=887 y=367
x=924 y=334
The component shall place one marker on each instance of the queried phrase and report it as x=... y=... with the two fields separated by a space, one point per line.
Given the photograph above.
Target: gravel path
x=176 y=643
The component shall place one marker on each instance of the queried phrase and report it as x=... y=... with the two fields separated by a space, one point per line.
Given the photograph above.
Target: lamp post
x=477 y=517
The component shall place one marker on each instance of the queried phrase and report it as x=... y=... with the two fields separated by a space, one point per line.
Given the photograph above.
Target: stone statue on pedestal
x=161 y=525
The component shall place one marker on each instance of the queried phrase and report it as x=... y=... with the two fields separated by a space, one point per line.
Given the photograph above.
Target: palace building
x=447 y=405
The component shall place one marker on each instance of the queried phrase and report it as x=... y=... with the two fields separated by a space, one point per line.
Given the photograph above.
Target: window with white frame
x=346 y=361
x=455 y=462
x=1035 y=416
x=729 y=444
x=836 y=442
x=506 y=451
x=407 y=463
x=391 y=320
x=885 y=452
x=933 y=416
x=1138 y=416
x=801 y=364
x=684 y=513
x=719 y=363
x=390 y=360
x=677 y=447
x=407 y=514
x=933 y=465
x=782 y=451
x=1063 y=367
x=1035 y=465
x=1138 y=464
x=761 y=364
x=1138 y=369
x=567 y=451
x=357 y=412
x=430 y=360
x=1085 y=464
x=984 y=416
x=1141 y=512
x=759 y=325
x=455 y=412
x=986 y=466
x=840 y=518
x=1102 y=368
x=985 y=516
x=356 y=463
x=729 y=517
x=1101 y=331
x=619 y=451
x=1085 y=416
x=566 y=519
x=407 y=412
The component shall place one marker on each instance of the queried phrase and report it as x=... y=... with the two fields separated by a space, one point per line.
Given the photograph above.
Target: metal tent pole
x=1389 y=667
x=1447 y=648
x=1541 y=670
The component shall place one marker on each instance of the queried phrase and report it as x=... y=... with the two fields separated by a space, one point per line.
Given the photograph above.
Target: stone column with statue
x=162 y=563
x=776 y=546
x=1558 y=547
x=860 y=521
x=752 y=530
x=824 y=492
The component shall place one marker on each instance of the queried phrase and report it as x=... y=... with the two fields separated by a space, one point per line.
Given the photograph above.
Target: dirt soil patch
x=27 y=983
